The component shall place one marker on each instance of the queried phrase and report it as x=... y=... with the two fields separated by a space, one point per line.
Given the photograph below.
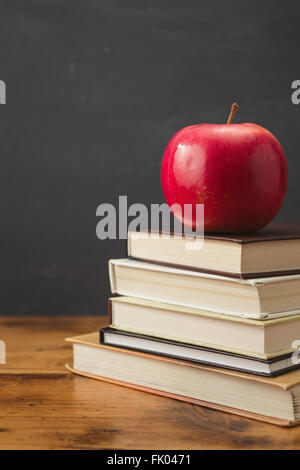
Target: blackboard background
x=95 y=89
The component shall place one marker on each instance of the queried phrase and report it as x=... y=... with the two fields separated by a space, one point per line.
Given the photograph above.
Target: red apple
x=238 y=171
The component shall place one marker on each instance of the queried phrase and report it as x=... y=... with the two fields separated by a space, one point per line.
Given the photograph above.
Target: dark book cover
x=273 y=231
x=117 y=332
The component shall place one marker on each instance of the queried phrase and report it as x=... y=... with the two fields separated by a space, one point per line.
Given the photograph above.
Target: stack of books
x=218 y=326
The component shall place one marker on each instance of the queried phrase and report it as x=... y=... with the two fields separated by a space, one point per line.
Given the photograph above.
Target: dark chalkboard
x=95 y=89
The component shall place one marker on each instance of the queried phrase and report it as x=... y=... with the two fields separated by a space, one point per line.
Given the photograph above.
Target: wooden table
x=43 y=406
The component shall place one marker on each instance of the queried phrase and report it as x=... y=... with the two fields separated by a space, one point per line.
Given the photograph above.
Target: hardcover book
x=272 y=251
x=261 y=298
x=274 y=400
x=261 y=339
x=199 y=354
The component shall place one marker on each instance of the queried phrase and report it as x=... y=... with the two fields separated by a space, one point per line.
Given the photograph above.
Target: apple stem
x=233 y=110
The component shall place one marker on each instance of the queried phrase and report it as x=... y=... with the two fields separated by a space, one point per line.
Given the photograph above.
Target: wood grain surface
x=43 y=406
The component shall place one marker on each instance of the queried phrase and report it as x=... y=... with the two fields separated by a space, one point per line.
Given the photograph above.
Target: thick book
x=199 y=354
x=274 y=400
x=271 y=252
x=252 y=298
x=261 y=339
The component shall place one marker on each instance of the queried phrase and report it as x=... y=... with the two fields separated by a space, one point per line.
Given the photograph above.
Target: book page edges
x=226 y=409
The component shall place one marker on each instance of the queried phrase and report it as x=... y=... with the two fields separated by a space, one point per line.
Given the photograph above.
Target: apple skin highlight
x=238 y=171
